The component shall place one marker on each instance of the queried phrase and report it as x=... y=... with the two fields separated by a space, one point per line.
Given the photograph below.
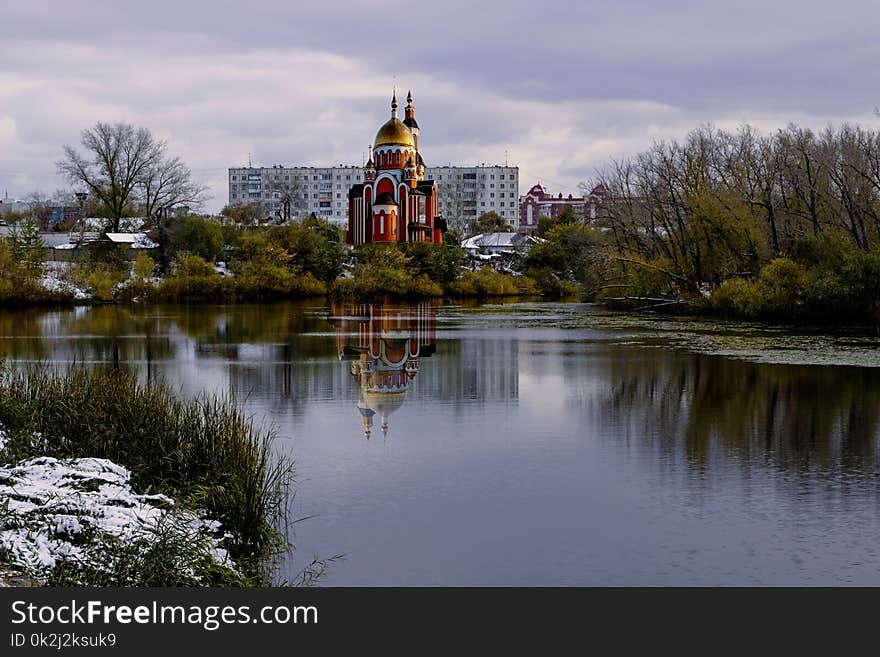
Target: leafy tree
x=196 y=235
x=571 y=252
x=545 y=224
x=567 y=216
x=26 y=247
x=440 y=263
x=453 y=237
x=264 y=269
x=488 y=222
x=314 y=245
x=245 y=214
x=382 y=271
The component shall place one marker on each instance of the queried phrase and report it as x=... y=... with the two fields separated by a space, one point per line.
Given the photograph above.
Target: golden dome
x=394 y=133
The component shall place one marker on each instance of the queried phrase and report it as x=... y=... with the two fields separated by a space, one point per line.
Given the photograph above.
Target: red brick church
x=395 y=204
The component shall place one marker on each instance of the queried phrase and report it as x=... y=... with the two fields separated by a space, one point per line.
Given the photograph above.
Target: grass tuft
x=204 y=453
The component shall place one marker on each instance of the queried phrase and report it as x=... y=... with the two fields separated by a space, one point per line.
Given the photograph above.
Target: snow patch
x=55 y=510
x=53 y=280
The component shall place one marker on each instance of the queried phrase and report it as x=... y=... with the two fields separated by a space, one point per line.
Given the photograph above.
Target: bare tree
x=451 y=195
x=287 y=196
x=166 y=183
x=115 y=161
x=39 y=209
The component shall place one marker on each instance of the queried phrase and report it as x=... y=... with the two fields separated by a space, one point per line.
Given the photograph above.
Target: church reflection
x=384 y=344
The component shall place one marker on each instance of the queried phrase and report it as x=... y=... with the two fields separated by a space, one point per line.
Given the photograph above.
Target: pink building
x=539 y=203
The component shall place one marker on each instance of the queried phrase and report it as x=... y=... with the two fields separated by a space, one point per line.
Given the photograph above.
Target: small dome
x=384 y=403
x=394 y=133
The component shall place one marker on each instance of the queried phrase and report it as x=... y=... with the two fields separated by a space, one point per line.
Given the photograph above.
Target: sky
x=557 y=88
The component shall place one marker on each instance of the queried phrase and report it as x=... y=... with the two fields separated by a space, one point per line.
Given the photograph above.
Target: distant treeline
x=784 y=225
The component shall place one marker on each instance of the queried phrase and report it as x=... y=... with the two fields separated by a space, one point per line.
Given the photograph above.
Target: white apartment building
x=322 y=190
x=464 y=192
x=467 y=192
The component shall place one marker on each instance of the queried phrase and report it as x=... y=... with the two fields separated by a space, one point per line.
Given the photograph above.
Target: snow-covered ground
x=53 y=510
x=54 y=279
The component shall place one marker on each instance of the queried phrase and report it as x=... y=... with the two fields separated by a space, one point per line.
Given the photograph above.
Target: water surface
x=532 y=443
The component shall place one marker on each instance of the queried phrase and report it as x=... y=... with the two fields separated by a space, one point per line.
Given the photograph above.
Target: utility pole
x=163 y=238
x=81 y=200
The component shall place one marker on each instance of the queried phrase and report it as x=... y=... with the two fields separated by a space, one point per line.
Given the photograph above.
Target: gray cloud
x=560 y=86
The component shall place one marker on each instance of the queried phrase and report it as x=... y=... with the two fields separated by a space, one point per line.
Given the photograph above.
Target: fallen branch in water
x=671 y=274
x=659 y=302
x=607 y=287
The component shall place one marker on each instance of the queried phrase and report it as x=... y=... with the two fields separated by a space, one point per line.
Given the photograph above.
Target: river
x=530 y=443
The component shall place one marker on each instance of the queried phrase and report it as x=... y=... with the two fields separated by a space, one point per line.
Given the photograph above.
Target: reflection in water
x=802 y=418
x=541 y=444
x=383 y=343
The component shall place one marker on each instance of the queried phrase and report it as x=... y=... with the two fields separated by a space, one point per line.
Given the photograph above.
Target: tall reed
x=205 y=453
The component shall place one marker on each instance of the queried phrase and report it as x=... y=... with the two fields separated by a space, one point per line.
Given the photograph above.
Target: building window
x=233 y=177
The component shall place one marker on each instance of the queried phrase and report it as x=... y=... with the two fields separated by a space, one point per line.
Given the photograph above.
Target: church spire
x=410 y=119
x=394 y=104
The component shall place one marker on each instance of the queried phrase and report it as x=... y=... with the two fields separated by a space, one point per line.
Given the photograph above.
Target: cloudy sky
x=560 y=87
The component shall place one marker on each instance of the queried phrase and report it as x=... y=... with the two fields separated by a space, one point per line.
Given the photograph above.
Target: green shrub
x=440 y=263
x=102 y=282
x=266 y=270
x=194 y=279
x=256 y=280
x=550 y=284
x=487 y=282
x=314 y=246
x=781 y=291
x=196 y=235
x=20 y=279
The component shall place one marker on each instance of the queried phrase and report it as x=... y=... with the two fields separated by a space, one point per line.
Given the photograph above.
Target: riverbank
x=112 y=483
x=824 y=279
